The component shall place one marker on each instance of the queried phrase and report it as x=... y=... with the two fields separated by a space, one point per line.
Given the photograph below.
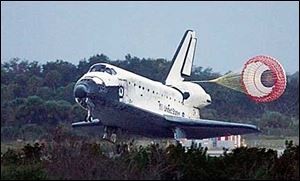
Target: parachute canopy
x=263 y=79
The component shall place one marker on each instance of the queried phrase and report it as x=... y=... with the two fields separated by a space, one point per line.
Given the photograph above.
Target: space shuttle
x=117 y=99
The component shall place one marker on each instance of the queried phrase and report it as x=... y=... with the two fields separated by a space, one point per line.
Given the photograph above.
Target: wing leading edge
x=203 y=128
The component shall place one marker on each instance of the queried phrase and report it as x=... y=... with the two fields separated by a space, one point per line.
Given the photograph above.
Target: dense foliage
x=73 y=159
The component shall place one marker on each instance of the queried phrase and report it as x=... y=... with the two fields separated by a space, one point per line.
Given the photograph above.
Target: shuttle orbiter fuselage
x=117 y=98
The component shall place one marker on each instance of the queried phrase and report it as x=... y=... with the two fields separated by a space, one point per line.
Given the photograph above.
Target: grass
x=274 y=142
x=16 y=145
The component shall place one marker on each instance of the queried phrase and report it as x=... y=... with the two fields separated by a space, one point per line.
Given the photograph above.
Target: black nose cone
x=80 y=91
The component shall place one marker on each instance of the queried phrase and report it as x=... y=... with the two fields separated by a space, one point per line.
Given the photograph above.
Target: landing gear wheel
x=110 y=134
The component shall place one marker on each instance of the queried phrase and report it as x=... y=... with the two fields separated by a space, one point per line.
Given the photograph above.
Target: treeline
x=68 y=158
x=37 y=96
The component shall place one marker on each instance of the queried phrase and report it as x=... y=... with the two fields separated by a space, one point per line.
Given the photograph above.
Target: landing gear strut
x=89 y=117
x=90 y=107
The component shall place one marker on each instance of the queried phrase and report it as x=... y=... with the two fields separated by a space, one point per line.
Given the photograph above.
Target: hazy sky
x=228 y=32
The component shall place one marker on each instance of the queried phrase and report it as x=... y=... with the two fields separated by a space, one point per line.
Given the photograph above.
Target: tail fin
x=183 y=59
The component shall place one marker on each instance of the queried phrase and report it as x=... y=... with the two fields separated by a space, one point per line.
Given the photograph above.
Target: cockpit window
x=108 y=70
x=113 y=71
x=102 y=68
x=98 y=68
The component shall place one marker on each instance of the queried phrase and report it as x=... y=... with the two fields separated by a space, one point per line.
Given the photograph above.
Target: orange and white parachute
x=263 y=79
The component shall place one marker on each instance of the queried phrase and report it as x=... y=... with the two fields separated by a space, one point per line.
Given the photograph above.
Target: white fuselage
x=153 y=96
x=119 y=99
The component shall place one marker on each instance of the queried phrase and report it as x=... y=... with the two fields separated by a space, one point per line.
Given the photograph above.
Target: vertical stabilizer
x=183 y=59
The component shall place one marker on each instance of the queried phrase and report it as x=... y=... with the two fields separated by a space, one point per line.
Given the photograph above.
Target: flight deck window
x=108 y=70
x=113 y=71
x=98 y=68
x=103 y=68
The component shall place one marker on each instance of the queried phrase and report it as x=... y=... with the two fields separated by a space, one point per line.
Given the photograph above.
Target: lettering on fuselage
x=168 y=109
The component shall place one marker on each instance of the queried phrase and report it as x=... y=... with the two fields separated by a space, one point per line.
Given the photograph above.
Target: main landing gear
x=110 y=134
x=109 y=131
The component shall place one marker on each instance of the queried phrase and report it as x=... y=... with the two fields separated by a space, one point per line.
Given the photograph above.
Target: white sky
x=228 y=32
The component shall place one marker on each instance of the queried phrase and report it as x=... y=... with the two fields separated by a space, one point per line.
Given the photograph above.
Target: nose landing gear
x=89 y=117
x=90 y=107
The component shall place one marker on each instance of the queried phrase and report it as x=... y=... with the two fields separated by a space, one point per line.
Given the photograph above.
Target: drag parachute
x=263 y=79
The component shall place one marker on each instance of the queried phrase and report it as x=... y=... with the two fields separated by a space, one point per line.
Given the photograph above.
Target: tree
x=57 y=111
x=52 y=79
x=5 y=78
x=15 y=90
x=67 y=71
x=52 y=112
x=77 y=113
x=66 y=93
x=33 y=111
x=287 y=166
x=35 y=69
x=33 y=84
x=274 y=120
